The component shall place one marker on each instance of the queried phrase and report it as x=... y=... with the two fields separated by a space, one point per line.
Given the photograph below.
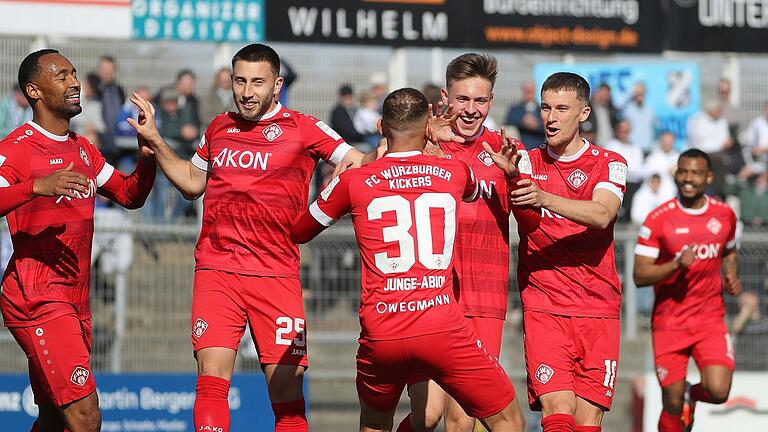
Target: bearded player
x=686 y=249
x=254 y=167
x=49 y=178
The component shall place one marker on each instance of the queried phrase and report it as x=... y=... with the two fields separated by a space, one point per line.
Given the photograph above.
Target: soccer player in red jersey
x=481 y=270
x=254 y=167
x=682 y=249
x=49 y=178
x=405 y=210
x=569 y=287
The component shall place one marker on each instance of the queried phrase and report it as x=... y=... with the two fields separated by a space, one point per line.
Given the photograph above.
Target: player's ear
x=278 y=85
x=32 y=91
x=443 y=97
x=585 y=110
x=380 y=127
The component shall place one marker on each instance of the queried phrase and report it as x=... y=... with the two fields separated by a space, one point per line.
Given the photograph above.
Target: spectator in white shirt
x=650 y=195
x=633 y=154
x=642 y=118
x=756 y=149
x=663 y=160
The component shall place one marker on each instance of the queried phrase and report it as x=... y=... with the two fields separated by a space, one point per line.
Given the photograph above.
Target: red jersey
x=404 y=209
x=692 y=297
x=482 y=239
x=565 y=268
x=259 y=173
x=49 y=273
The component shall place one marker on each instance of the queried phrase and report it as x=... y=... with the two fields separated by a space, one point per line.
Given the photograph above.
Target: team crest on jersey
x=84 y=157
x=485 y=158
x=80 y=376
x=714 y=226
x=544 y=373
x=661 y=373
x=271 y=132
x=200 y=327
x=577 y=178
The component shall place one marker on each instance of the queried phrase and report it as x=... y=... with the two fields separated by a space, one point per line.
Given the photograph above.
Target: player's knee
x=719 y=393
x=458 y=423
x=84 y=420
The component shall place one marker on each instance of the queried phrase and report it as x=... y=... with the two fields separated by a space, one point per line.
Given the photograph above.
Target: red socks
x=558 y=423
x=670 y=422
x=211 y=405
x=405 y=425
x=588 y=429
x=290 y=417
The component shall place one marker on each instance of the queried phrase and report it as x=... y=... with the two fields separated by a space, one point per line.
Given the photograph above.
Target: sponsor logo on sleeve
x=544 y=373
x=272 y=132
x=617 y=173
x=80 y=376
x=328 y=130
x=645 y=232
x=201 y=144
x=525 y=163
x=328 y=189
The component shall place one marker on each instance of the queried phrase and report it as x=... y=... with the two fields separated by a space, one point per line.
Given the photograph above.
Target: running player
x=404 y=209
x=254 y=167
x=49 y=178
x=686 y=249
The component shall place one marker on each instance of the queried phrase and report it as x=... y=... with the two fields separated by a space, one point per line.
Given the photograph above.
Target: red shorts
x=454 y=360
x=59 y=356
x=579 y=354
x=489 y=333
x=222 y=304
x=709 y=345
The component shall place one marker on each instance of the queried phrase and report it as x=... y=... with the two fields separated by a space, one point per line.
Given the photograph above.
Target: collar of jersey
x=40 y=129
x=570 y=158
x=474 y=137
x=694 y=212
x=268 y=115
x=403 y=154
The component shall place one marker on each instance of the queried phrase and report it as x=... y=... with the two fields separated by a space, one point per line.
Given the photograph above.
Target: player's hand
x=686 y=256
x=506 y=158
x=732 y=284
x=64 y=182
x=527 y=194
x=381 y=150
x=146 y=128
x=433 y=149
x=145 y=150
x=343 y=166
x=748 y=301
x=442 y=124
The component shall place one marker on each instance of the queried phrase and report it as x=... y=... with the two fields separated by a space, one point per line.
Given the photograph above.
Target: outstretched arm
x=647 y=272
x=186 y=177
x=595 y=213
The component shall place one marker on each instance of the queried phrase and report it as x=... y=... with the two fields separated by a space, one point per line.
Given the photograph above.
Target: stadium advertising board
x=145 y=402
x=672 y=89
x=584 y=25
x=745 y=410
x=717 y=25
x=199 y=20
x=383 y=22
x=593 y=25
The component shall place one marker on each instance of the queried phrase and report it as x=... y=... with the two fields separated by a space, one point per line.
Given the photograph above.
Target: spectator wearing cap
x=343 y=114
x=14 y=111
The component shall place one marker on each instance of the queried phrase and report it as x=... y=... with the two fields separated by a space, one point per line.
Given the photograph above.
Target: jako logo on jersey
x=271 y=132
x=485 y=158
x=540 y=177
x=544 y=373
x=84 y=157
x=714 y=226
x=577 y=178
x=199 y=328
x=91 y=191
x=682 y=230
x=56 y=161
x=706 y=251
x=233 y=130
x=241 y=159
x=80 y=376
x=211 y=428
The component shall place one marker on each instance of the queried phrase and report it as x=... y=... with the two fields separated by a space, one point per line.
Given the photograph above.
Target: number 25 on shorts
x=286 y=326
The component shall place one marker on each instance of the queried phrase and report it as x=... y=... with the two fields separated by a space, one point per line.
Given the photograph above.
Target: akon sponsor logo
x=245 y=159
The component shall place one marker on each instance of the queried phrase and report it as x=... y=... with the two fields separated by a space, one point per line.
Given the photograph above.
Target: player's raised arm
x=185 y=176
x=332 y=203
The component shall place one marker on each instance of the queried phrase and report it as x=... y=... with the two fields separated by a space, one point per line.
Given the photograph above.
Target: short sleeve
x=102 y=169
x=321 y=141
x=333 y=202
x=732 y=241
x=649 y=238
x=202 y=153
x=613 y=176
x=471 y=188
